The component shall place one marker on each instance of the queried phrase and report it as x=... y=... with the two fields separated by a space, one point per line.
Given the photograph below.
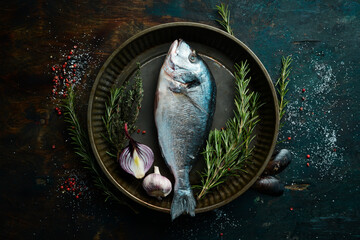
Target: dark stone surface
x=323 y=39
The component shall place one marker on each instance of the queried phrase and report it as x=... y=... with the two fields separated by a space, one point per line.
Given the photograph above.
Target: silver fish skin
x=184 y=109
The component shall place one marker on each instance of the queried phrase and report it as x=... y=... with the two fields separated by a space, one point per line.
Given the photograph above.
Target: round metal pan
x=220 y=51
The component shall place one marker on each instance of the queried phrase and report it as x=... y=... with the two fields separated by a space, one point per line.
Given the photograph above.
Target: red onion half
x=137 y=158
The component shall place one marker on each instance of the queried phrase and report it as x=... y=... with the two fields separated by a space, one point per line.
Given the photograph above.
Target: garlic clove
x=157 y=185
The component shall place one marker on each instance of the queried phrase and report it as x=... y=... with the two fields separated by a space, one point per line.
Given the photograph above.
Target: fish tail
x=183 y=201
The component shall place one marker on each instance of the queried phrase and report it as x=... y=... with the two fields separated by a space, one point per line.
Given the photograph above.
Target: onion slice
x=137 y=158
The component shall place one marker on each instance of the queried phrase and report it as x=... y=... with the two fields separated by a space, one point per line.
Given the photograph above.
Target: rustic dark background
x=323 y=39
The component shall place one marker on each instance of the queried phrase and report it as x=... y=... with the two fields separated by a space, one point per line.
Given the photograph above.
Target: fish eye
x=192 y=56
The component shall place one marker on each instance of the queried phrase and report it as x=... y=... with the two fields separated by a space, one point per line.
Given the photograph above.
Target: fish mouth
x=174 y=46
x=173 y=52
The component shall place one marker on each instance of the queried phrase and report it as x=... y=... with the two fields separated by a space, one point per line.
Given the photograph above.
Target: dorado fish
x=184 y=108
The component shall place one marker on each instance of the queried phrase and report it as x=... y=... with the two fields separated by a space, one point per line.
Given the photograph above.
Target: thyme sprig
x=282 y=84
x=228 y=150
x=123 y=106
x=224 y=12
x=80 y=141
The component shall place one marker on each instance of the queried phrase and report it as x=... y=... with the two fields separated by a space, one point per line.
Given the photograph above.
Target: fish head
x=183 y=64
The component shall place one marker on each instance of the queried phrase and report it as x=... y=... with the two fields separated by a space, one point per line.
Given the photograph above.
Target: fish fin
x=183 y=201
x=193 y=102
x=183 y=91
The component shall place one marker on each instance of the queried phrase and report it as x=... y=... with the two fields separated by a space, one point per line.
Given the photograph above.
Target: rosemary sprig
x=110 y=108
x=122 y=107
x=224 y=12
x=282 y=84
x=283 y=80
x=80 y=141
x=228 y=150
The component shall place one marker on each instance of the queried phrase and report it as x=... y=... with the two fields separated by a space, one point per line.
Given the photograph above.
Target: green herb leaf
x=225 y=17
x=282 y=83
x=82 y=148
x=122 y=107
x=228 y=150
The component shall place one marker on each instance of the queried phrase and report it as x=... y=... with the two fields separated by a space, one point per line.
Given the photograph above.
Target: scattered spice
x=53 y=146
x=143 y=132
x=73 y=186
x=69 y=71
x=289 y=138
x=291 y=208
x=301 y=108
x=138 y=131
x=308 y=164
x=303 y=98
x=303 y=90
x=308 y=156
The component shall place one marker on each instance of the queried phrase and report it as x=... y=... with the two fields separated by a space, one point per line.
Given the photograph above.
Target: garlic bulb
x=157 y=185
x=136 y=159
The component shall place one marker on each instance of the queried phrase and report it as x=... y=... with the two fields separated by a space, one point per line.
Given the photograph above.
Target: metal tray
x=221 y=51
